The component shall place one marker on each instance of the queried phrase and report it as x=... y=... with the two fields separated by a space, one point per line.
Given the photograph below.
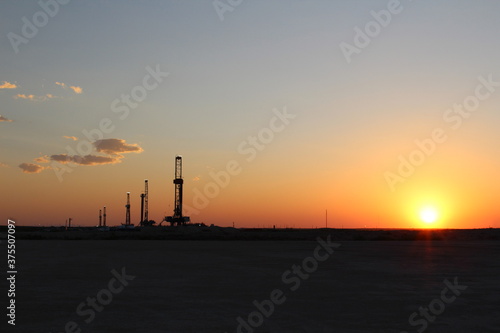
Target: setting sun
x=428 y=215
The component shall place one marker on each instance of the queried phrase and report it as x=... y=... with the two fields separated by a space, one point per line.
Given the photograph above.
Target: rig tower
x=100 y=218
x=179 y=182
x=142 y=208
x=145 y=221
x=177 y=218
x=104 y=217
x=127 y=213
x=146 y=195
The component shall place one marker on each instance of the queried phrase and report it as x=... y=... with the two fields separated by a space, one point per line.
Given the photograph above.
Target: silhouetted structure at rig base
x=178 y=218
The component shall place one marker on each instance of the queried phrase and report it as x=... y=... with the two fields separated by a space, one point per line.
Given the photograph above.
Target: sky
x=374 y=111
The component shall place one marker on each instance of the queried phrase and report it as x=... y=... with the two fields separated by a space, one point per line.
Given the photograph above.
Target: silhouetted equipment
x=104 y=217
x=146 y=214
x=177 y=218
x=145 y=221
x=127 y=225
x=142 y=207
x=127 y=211
x=102 y=220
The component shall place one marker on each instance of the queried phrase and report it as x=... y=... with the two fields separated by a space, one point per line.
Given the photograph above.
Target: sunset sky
x=372 y=110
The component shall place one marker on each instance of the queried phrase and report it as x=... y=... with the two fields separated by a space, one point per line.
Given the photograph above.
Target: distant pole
x=127 y=210
x=100 y=218
x=104 y=217
x=146 y=199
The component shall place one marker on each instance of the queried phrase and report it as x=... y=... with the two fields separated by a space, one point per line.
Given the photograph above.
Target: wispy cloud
x=2 y=118
x=7 y=85
x=3 y=165
x=35 y=98
x=116 y=146
x=31 y=168
x=76 y=89
x=87 y=159
x=74 y=138
x=42 y=159
x=111 y=153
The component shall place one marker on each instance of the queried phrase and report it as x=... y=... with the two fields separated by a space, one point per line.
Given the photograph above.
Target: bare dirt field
x=205 y=286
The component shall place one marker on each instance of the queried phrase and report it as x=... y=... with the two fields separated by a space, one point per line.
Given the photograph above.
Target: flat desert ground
x=204 y=286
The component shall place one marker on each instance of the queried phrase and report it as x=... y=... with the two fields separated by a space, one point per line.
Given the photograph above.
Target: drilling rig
x=145 y=221
x=142 y=208
x=104 y=217
x=102 y=220
x=146 y=198
x=177 y=218
x=127 y=224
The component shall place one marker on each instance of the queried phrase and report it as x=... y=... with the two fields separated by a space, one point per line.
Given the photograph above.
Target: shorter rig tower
x=145 y=221
x=104 y=217
x=178 y=218
x=127 y=213
x=146 y=195
x=142 y=208
x=102 y=220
